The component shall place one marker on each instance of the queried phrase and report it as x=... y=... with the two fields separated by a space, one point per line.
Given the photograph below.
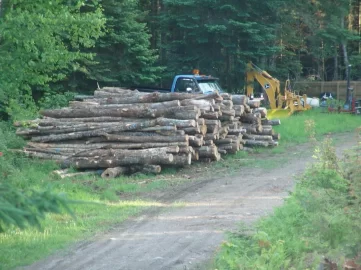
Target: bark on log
x=94 y=133
x=176 y=122
x=133 y=112
x=105 y=145
x=155 y=97
x=91 y=163
x=262 y=111
x=195 y=141
x=258 y=137
x=210 y=115
x=252 y=143
x=254 y=103
x=112 y=173
x=273 y=122
x=139 y=139
x=240 y=99
x=159 y=105
x=226 y=96
x=209 y=152
x=200 y=103
x=181 y=160
x=250 y=118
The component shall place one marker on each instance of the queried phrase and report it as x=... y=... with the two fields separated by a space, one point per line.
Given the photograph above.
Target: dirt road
x=186 y=236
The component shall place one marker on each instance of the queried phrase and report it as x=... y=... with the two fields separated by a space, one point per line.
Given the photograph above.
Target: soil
x=191 y=223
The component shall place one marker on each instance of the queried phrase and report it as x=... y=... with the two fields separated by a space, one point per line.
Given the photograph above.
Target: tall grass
x=321 y=218
x=292 y=128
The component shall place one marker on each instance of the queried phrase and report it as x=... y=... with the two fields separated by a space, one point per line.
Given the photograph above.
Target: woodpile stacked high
x=129 y=131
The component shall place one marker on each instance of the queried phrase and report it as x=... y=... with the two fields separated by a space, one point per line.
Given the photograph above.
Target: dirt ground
x=185 y=232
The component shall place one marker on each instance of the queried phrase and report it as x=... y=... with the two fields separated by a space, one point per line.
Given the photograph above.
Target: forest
x=53 y=49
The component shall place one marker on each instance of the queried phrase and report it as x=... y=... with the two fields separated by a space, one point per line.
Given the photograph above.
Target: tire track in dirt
x=169 y=237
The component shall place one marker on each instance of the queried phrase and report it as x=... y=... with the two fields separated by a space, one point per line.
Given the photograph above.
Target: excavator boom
x=280 y=105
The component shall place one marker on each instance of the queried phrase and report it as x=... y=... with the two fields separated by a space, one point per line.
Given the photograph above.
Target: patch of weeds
x=319 y=219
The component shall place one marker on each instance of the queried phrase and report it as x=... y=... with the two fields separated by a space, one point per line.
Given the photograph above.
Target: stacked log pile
x=125 y=131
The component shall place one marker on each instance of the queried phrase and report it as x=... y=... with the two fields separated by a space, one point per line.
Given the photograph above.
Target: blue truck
x=188 y=84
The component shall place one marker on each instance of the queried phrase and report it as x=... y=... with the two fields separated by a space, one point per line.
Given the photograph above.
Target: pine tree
x=124 y=54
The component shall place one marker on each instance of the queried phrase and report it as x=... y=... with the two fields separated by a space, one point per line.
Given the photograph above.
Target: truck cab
x=195 y=84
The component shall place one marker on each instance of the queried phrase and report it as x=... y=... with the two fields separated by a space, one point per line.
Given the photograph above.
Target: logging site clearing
x=185 y=225
x=175 y=220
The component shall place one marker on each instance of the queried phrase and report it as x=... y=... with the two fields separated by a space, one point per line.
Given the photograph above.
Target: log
x=258 y=137
x=228 y=113
x=59 y=146
x=250 y=118
x=226 y=118
x=155 y=97
x=195 y=141
x=273 y=144
x=273 y=122
x=145 y=169
x=94 y=133
x=133 y=112
x=239 y=109
x=252 y=143
x=122 y=152
x=176 y=122
x=192 y=130
x=112 y=173
x=262 y=111
x=200 y=103
x=226 y=96
x=139 y=139
x=159 y=105
x=254 y=103
x=247 y=109
x=210 y=115
x=240 y=99
x=119 y=161
x=208 y=142
x=209 y=152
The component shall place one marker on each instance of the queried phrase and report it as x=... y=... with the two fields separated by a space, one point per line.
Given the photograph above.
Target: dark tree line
x=51 y=49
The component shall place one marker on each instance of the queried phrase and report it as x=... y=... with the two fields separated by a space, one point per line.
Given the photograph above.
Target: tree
x=124 y=54
x=40 y=43
x=217 y=37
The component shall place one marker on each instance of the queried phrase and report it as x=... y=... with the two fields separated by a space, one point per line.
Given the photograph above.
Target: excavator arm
x=269 y=84
x=279 y=104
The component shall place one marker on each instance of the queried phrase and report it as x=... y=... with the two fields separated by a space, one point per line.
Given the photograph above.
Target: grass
x=320 y=218
x=99 y=204
x=293 y=131
x=109 y=202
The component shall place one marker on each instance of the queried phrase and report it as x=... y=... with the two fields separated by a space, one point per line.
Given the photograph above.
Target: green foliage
x=21 y=208
x=54 y=100
x=40 y=42
x=319 y=218
x=124 y=55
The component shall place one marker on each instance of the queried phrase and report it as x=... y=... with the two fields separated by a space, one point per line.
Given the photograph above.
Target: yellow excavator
x=281 y=105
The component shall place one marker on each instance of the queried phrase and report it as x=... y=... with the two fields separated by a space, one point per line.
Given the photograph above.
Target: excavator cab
x=280 y=105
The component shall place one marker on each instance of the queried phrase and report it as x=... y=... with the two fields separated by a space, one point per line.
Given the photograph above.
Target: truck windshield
x=209 y=86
